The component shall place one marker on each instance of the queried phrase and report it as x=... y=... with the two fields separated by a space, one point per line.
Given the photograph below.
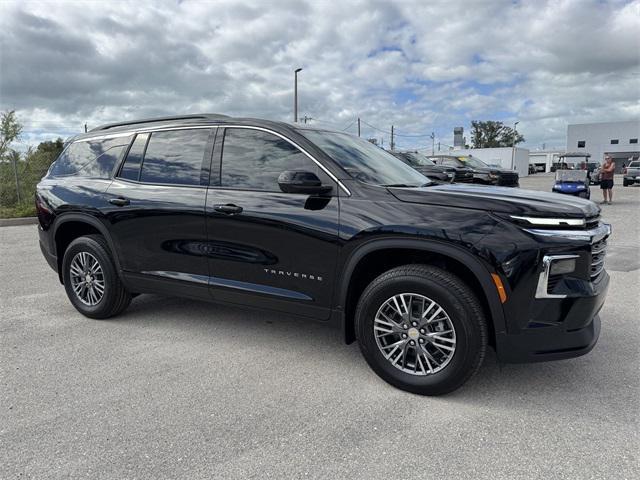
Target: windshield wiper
x=404 y=185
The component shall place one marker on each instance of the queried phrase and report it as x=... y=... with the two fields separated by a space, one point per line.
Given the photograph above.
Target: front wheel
x=91 y=280
x=421 y=329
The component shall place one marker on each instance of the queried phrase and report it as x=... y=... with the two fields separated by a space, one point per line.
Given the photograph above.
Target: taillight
x=624 y=171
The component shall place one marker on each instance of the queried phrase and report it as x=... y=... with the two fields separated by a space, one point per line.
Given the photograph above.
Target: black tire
x=462 y=307
x=115 y=298
x=625 y=183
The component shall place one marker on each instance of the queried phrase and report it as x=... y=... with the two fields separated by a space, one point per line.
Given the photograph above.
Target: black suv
x=329 y=227
x=482 y=173
x=440 y=173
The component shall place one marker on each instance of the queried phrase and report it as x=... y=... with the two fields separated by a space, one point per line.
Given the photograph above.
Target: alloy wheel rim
x=87 y=278
x=415 y=334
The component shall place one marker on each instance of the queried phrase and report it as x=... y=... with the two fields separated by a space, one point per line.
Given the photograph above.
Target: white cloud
x=419 y=65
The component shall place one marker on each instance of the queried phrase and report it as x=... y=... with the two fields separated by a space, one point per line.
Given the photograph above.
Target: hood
x=487 y=170
x=514 y=201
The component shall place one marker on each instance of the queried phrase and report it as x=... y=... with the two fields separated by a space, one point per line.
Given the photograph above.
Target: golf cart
x=572 y=182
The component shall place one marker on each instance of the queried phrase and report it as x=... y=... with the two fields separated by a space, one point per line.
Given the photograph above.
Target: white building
x=506 y=157
x=543 y=159
x=618 y=139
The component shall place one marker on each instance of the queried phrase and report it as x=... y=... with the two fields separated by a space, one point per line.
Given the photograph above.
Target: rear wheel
x=91 y=280
x=421 y=329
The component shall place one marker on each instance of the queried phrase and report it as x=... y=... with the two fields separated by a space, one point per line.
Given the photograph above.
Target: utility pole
x=358 y=126
x=85 y=128
x=392 y=143
x=305 y=118
x=513 y=144
x=438 y=146
x=295 y=95
x=433 y=142
x=14 y=157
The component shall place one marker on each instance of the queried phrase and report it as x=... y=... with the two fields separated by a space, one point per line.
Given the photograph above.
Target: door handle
x=120 y=201
x=229 y=209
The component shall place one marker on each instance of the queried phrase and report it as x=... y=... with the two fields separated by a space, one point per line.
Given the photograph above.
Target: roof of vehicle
x=574 y=154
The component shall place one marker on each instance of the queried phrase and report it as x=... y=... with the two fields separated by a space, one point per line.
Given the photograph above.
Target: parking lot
x=175 y=388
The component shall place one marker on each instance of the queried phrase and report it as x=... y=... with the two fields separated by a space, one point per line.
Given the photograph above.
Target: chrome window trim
x=547 y=221
x=543 y=279
x=190 y=127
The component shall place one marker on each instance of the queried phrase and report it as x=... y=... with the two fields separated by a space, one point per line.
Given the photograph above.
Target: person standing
x=606 y=179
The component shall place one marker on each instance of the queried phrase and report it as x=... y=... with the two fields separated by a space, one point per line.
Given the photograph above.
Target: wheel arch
x=375 y=257
x=70 y=226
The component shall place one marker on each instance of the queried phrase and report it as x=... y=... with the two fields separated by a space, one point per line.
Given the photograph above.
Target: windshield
x=571 y=175
x=473 y=162
x=634 y=165
x=364 y=161
x=417 y=159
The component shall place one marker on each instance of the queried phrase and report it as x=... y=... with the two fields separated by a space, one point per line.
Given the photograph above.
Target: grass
x=21 y=210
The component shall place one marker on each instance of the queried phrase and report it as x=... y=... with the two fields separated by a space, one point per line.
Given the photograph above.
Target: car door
x=157 y=209
x=267 y=248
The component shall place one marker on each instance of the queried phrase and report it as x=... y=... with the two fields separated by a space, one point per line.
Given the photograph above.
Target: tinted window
x=131 y=167
x=77 y=157
x=581 y=143
x=614 y=142
x=253 y=160
x=363 y=160
x=450 y=162
x=104 y=164
x=175 y=157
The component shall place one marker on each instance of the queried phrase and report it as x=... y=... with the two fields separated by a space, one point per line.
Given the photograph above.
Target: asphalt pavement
x=176 y=388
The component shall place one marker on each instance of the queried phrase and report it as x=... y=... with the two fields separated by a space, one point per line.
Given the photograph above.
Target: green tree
x=10 y=130
x=492 y=134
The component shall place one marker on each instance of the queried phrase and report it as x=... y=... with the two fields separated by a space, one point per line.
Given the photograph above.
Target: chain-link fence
x=20 y=172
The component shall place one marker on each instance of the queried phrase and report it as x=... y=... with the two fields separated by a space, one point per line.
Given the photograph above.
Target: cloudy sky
x=420 y=65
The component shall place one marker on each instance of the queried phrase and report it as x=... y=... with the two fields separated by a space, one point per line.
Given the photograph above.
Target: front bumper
x=631 y=179
x=573 y=330
x=584 y=193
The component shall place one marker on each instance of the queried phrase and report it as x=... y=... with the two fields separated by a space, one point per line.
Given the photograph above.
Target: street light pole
x=513 y=144
x=295 y=95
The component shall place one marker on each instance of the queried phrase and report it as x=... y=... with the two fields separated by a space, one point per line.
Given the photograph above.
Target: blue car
x=572 y=182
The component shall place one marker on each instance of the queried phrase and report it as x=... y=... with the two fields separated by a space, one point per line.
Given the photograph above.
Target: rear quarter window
x=90 y=158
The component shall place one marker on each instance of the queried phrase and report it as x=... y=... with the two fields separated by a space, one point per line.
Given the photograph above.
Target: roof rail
x=201 y=116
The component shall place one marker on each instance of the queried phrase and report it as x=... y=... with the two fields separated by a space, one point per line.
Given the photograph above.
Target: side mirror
x=301 y=181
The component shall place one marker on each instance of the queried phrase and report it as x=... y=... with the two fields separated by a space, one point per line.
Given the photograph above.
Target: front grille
x=598 y=253
x=552 y=282
x=463 y=176
x=592 y=222
x=507 y=179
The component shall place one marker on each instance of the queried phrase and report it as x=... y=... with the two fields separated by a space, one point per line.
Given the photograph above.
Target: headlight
x=549 y=221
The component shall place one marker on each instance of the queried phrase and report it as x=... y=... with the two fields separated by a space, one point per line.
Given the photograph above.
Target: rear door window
x=175 y=157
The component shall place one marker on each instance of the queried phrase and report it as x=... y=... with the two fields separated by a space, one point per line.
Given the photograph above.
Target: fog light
x=562 y=267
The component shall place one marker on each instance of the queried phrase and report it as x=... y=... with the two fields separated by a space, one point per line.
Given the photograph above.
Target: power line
x=406 y=135
x=349 y=126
